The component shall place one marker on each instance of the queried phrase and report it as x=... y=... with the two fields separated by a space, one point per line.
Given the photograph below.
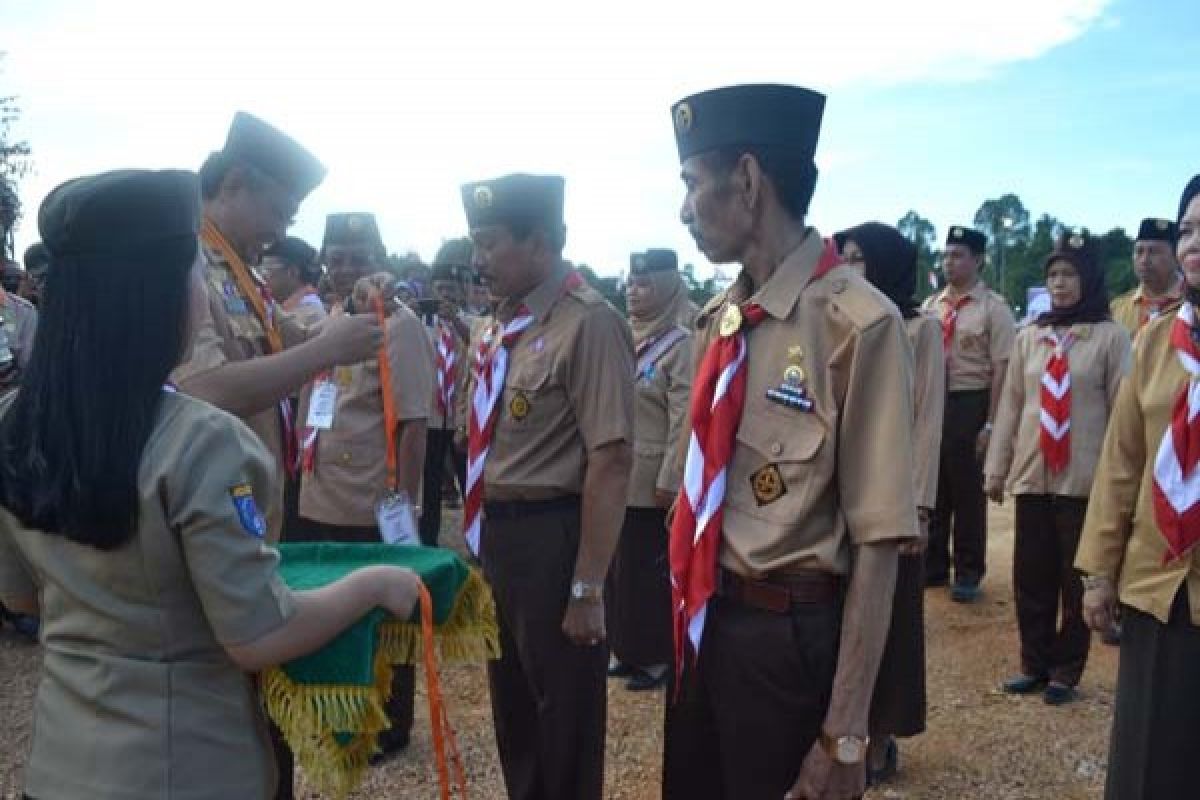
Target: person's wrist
x=586 y=592
x=1093 y=582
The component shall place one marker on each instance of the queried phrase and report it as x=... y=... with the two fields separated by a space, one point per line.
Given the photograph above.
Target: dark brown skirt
x=898 y=706
x=1151 y=755
x=638 y=599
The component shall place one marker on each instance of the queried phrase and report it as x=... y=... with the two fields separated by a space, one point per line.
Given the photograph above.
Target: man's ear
x=747 y=180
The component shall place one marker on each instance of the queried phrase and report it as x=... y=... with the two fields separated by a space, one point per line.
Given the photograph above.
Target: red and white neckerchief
x=1176 y=479
x=490 y=369
x=1055 y=436
x=950 y=318
x=1149 y=310
x=447 y=367
x=718 y=395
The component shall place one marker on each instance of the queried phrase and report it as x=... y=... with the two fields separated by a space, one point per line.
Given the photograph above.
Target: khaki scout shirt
x=20 y=319
x=929 y=404
x=350 y=473
x=229 y=331
x=983 y=336
x=803 y=486
x=138 y=699
x=569 y=390
x=1120 y=537
x=661 y=393
x=451 y=420
x=1133 y=312
x=1098 y=361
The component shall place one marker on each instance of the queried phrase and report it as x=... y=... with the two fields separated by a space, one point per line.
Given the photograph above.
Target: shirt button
x=776 y=449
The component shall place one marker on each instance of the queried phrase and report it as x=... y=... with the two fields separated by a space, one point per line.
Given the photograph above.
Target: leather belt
x=515 y=509
x=781 y=591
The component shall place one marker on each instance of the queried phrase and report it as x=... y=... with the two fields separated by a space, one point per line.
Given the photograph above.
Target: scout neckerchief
x=490 y=370
x=1176 y=479
x=447 y=367
x=652 y=349
x=258 y=295
x=1055 y=435
x=950 y=318
x=718 y=394
x=1150 y=309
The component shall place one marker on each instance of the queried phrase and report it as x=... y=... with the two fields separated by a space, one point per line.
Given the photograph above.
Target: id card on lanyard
x=322 y=405
x=395 y=513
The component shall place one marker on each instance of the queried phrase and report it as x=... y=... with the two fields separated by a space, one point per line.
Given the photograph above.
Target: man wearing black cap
x=797 y=488
x=37 y=261
x=1160 y=283
x=977 y=332
x=548 y=466
x=251 y=189
x=18 y=324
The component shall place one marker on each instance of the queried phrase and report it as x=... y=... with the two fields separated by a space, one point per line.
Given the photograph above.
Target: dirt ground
x=981 y=743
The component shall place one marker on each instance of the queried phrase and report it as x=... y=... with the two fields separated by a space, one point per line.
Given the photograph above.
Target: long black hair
x=112 y=328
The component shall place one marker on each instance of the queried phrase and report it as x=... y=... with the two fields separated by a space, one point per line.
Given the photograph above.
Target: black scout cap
x=254 y=142
x=653 y=260
x=1156 y=230
x=120 y=212
x=354 y=228
x=754 y=114
x=973 y=239
x=1077 y=248
x=520 y=199
x=36 y=256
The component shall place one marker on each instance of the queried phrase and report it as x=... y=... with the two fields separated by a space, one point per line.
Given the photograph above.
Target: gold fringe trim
x=310 y=715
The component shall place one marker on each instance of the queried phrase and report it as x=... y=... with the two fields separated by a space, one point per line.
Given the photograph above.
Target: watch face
x=850 y=750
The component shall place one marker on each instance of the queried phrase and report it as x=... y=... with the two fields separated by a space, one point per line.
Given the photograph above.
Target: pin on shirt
x=792 y=393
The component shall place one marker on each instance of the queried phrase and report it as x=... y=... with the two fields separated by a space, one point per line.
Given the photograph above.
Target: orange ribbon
x=246 y=283
x=445 y=745
x=390 y=423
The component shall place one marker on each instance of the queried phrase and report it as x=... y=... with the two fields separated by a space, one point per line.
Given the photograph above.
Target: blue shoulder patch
x=247 y=510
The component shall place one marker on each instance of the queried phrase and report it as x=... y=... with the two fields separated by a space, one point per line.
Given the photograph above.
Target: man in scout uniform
x=37 y=262
x=977 y=333
x=18 y=324
x=251 y=189
x=549 y=456
x=1160 y=283
x=783 y=552
x=449 y=331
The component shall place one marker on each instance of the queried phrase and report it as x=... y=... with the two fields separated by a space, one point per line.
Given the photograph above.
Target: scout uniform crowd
x=744 y=503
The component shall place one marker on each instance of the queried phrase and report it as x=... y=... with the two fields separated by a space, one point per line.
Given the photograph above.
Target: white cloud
x=404 y=103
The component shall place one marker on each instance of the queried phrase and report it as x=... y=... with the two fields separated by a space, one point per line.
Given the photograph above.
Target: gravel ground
x=980 y=743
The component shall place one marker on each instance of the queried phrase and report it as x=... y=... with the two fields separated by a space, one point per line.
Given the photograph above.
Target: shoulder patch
x=247 y=510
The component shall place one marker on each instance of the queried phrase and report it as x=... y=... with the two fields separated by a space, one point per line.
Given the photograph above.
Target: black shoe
x=1023 y=684
x=644 y=681
x=390 y=743
x=891 y=766
x=964 y=592
x=23 y=624
x=618 y=669
x=1058 y=694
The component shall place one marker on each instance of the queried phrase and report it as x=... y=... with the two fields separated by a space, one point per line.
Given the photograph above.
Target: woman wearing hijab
x=1058 y=394
x=1139 y=546
x=639 y=596
x=889 y=261
x=130 y=511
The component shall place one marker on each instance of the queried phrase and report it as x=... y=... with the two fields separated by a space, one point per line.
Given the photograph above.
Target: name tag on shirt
x=396 y=520
x=322 y=405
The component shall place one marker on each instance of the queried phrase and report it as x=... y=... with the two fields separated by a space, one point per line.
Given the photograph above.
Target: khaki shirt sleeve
x=1109 y=521
x=876 y=439
x=678 y=371
x=410 y=357
x=929 y=383
x=1003 y=330
x=599 y=380
x=1120 y=360
x=233 y=571
x=17 y=587
x=208 y=350
x=1003 y=441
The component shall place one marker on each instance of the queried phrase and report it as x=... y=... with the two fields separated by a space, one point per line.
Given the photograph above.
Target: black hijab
x=1079 y=250
x=890 y=262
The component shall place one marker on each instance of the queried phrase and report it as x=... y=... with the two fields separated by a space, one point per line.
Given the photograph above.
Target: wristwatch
x=582 y=590
x=845 y=750
x=1093 y=581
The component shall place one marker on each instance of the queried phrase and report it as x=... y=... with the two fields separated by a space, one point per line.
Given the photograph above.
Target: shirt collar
x=779 y=295
x=539 y=300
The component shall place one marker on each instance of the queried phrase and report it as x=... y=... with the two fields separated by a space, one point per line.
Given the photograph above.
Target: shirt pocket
x=972 y=334
x=531 y=398
x=780 y=467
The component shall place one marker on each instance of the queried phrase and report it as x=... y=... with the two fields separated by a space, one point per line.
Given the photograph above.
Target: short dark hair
x=792 y=172
x=297 y=253
x=112 y=328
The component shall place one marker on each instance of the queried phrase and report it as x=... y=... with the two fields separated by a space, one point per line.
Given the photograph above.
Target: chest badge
x=767 y=484
x=518 y=407
x=731 y=321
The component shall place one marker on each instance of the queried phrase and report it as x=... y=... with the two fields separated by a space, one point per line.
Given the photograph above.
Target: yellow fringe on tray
x=310 y=715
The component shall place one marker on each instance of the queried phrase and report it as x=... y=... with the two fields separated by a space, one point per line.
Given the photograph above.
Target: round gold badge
x=484 y=197
x=1162 y=224
x=956 y=233
x=794 y=375
x=683 y=118
x=731 y=323
x=519 y=407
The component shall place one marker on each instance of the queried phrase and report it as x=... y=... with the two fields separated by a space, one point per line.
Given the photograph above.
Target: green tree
x=1115 y=251
x=1005 y=221
x=921 y=233
x=15 y=163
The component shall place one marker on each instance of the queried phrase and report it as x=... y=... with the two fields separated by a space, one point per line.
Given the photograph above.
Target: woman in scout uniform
x=1061 y=384
x=1139 y=546
x=352 y=466
x=639 y=596
x=889 y=261
x=131 y=511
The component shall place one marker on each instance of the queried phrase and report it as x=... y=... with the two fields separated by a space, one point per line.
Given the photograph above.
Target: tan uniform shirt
x=569 y=389
x=803 y=486
x=451 y=419
x=983 y=336
x=1120 y=537
x=350 y=474
x=1133 y=312
x=230 y=331
x=661 y=393
x=1098 y=361
x=929 y=404
x=138 y=699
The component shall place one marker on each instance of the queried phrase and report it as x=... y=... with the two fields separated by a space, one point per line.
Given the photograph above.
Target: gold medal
x=518 y=407
x=731 y=323
x=794 y=375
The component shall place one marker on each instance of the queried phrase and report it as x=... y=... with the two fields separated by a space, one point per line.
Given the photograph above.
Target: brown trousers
x=961 y=511
x=549 y=697
x=753 y=706
x=1045 y=580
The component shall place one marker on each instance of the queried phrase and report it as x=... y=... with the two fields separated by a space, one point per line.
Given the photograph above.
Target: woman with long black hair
x=130 y=512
